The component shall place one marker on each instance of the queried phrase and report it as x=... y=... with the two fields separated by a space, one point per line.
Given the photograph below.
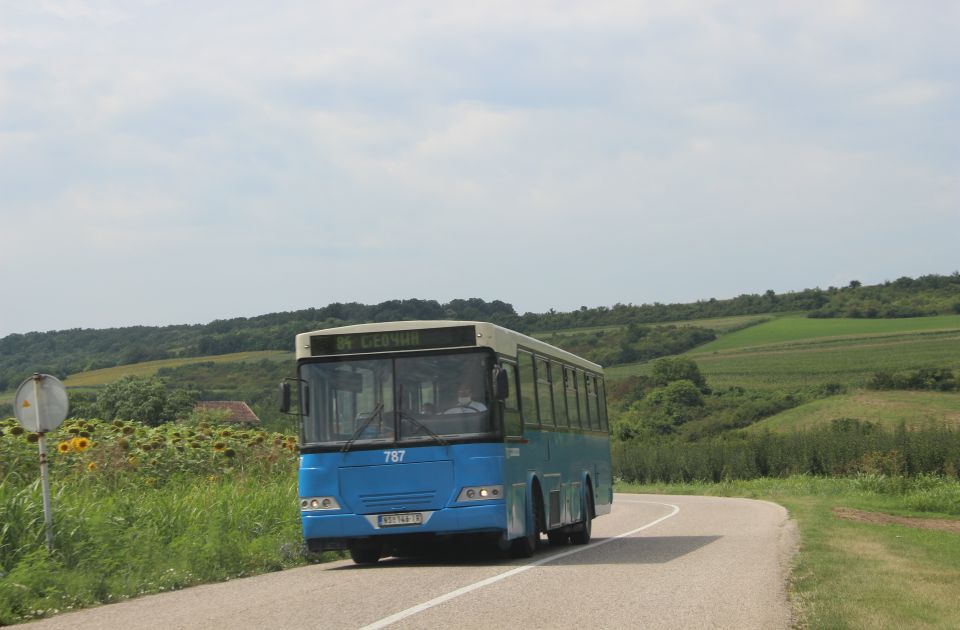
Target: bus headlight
x=311 y=504
x=480 y=493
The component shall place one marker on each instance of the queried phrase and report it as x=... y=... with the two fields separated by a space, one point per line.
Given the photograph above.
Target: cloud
x=551 y=154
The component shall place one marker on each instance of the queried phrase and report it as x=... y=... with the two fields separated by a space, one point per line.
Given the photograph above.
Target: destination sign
x=424 y=339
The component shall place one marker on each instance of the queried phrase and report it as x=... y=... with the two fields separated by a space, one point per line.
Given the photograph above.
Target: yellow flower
x=80 y=444
x=219 y=446
x=92 y=466
x=64 y=447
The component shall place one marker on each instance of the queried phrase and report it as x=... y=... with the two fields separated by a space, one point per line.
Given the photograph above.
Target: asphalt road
x=654 y=562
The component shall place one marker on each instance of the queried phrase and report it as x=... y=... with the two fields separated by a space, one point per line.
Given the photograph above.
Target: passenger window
x=603 y=404
x=570 y=386
x=586 y=398
x=582 y=401
x=511 y=406
x=594 y=404
x=528 y=390
x=559 y=397
x=544 y=393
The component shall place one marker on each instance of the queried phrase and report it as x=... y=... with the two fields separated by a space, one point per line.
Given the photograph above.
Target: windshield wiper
x=405 y=416
x=377 y=410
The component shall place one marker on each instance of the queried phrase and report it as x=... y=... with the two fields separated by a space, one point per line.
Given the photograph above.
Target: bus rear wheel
x=365 y=553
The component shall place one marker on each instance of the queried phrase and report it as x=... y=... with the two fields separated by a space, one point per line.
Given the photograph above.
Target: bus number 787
x=393 y=457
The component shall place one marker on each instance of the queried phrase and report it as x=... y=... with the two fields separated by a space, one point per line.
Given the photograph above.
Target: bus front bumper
x=334 y=531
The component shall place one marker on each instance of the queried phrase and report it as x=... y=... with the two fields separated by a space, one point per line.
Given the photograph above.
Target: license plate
x=394 y=520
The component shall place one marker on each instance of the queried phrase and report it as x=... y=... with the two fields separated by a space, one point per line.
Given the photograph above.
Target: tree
x=670 y=369
x=144 y=399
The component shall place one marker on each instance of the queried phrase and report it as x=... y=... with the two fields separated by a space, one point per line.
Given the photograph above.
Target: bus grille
x=398 y=502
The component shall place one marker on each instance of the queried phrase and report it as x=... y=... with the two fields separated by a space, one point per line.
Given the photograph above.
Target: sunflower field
x=141 y=509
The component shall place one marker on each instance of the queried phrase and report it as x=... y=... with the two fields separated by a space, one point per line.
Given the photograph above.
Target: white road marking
x=436 y=601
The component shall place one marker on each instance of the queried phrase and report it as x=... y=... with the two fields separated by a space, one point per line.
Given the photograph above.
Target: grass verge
x=852 y=574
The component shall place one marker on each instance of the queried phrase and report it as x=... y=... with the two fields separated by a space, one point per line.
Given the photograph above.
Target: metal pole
x=44 y=473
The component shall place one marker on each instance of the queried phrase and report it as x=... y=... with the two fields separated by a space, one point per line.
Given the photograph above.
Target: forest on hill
x=70 y=351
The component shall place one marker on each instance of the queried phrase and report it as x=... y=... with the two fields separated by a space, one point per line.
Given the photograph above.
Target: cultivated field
x=95 y=378
x=887 y=409
x=796 y=352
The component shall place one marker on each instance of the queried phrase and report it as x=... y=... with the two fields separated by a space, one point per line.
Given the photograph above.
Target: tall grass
x=140 y=510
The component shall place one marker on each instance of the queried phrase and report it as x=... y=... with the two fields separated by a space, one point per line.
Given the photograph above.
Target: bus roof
x=500 y=339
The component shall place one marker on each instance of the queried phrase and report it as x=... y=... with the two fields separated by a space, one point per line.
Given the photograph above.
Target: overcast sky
x=180 y=162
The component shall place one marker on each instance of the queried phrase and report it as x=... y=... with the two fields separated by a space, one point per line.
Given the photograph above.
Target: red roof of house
x=239 y=410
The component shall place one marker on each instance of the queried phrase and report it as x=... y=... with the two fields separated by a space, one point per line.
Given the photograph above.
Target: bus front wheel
x=584 y=529
x=365 y=553
x=524 y=546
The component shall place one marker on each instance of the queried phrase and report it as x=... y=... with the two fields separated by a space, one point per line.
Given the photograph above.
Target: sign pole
x=44 y=468
x=41 y=409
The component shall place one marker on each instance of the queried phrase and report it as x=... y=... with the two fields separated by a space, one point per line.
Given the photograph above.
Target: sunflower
x=127 y=430
x=92 y=466
x=226 y=433
x=80 y=444
x=229 y=453
x=64 y=447
x=17 y=430
x=219 y=446
x=33 y=438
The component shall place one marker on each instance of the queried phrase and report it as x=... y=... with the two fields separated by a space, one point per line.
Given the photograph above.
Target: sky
x=181 y=162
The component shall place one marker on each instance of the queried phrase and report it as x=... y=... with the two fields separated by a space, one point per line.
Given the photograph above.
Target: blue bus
x=413 y=431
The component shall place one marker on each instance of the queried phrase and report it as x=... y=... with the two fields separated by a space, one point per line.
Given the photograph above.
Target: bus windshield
x=425 y=397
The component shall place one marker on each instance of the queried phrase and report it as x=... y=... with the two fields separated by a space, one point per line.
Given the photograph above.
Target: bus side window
x=594 y=402
x=528 y=390
x=559 y=395
x=588 y=420
x=582 y=400
x=511 y=406
x=544 y=393
x=603 y=404
x=570 y=386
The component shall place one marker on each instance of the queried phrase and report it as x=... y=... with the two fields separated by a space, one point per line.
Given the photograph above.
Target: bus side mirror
x=501 y=383
x=284 y=397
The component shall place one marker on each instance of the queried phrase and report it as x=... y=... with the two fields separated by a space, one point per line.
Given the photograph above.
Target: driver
x=465 y=402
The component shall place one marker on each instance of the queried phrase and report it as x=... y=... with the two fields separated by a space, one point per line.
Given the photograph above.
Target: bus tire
x=524 y=546
x=584 y=529
x=365 y=553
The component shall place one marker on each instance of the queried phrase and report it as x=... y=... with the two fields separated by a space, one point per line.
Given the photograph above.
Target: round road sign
x=41 y=403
